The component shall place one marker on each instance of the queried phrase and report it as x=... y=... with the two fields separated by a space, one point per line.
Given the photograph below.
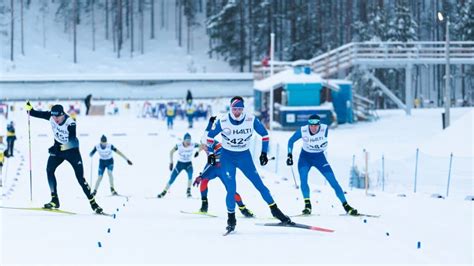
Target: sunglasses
x=56 y=114
x=313 y=121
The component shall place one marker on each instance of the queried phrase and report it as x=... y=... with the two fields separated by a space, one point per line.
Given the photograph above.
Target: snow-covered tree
x=464 y=31
x=226 y=27
x=464 y=26
x=374 y=30
x=402 y=27
x=190 y=9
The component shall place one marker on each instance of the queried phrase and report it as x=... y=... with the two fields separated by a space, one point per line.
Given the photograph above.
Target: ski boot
x=162 y=194
x=188 y=193
x=246 y=212
x=95 y=207
x=54 y=203
x=307 y=207
x=231 y=222
x=204 y=206
x=93 y=193
x=276 y=212
x=112 y=190
x=349 y=210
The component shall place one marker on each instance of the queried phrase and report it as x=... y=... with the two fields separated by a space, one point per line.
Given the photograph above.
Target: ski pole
x=29 y=155
x=294 y=179
x=90 y=177
x=5 y=173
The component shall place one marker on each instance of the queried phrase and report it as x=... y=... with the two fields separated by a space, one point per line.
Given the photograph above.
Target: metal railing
x=379 y=55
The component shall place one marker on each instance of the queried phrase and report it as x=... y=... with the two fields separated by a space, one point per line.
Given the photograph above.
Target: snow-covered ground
x=154 y=231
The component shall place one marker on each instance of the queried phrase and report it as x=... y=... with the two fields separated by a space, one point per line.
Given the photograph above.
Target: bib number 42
x=238 y=141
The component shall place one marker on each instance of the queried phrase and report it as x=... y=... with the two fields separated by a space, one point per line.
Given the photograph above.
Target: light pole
x=447 y=89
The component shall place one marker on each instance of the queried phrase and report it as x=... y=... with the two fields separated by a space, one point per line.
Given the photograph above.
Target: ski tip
x=297 y=225
x=361 y=215
x=104 y=214
x=315 y=228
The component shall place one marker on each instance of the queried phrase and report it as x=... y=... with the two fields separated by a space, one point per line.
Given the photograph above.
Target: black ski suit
x=66 y=147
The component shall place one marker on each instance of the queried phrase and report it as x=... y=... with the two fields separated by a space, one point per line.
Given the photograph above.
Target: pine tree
x=261 y=28
x=374 y=30
x=190 y=10
x=402 y=27
x=223 y=27
x=464 y=26
x=464 y=31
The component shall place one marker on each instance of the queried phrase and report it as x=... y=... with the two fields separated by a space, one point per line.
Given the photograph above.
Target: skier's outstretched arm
x=38 y=114
x=92 y=152
x=122 y=155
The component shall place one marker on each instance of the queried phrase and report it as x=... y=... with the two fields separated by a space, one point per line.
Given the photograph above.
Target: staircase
x=378 y=55
x=372 y=55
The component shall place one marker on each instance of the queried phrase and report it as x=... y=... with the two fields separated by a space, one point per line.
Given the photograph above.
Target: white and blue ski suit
x=236 y=137
x=312 y=154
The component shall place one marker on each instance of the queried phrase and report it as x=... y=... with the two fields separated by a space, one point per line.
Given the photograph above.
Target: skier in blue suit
x=212 y=171
x=236 y=129
x=315 y=142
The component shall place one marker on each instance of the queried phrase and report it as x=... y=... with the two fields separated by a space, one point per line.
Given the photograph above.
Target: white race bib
x=237 y=137
x=60 y=132
x=185 y=153
x=314 y=143
x=104 y=153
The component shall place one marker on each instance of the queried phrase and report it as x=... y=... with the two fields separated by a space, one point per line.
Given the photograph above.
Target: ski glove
x=212 y=119
x=91 y=154
x=171 y=166
x=211 y=159
x=196 y=154
x=289 y=160
x=28 y=106
x=263 y=158
x=197 y=181
x=129 y=162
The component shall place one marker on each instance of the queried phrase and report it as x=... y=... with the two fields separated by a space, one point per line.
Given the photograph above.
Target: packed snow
x=416 y=228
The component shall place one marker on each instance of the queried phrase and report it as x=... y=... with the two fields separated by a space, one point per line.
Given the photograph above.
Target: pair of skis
x=345 y=214
x=49 y=210
x=310 y=227
x=292 y=224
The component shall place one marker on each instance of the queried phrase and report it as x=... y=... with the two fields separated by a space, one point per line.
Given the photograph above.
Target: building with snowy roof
x=298 y=93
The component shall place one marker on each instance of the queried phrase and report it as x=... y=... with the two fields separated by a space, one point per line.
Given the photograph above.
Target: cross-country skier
x=65 y=147
x=190 y=112
x=106 y=161
x=11 y=137
x=236 y=129
x=3 y=152
x=185 y=152
x=315 y=142
x=212 y=171
x=170 y=114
